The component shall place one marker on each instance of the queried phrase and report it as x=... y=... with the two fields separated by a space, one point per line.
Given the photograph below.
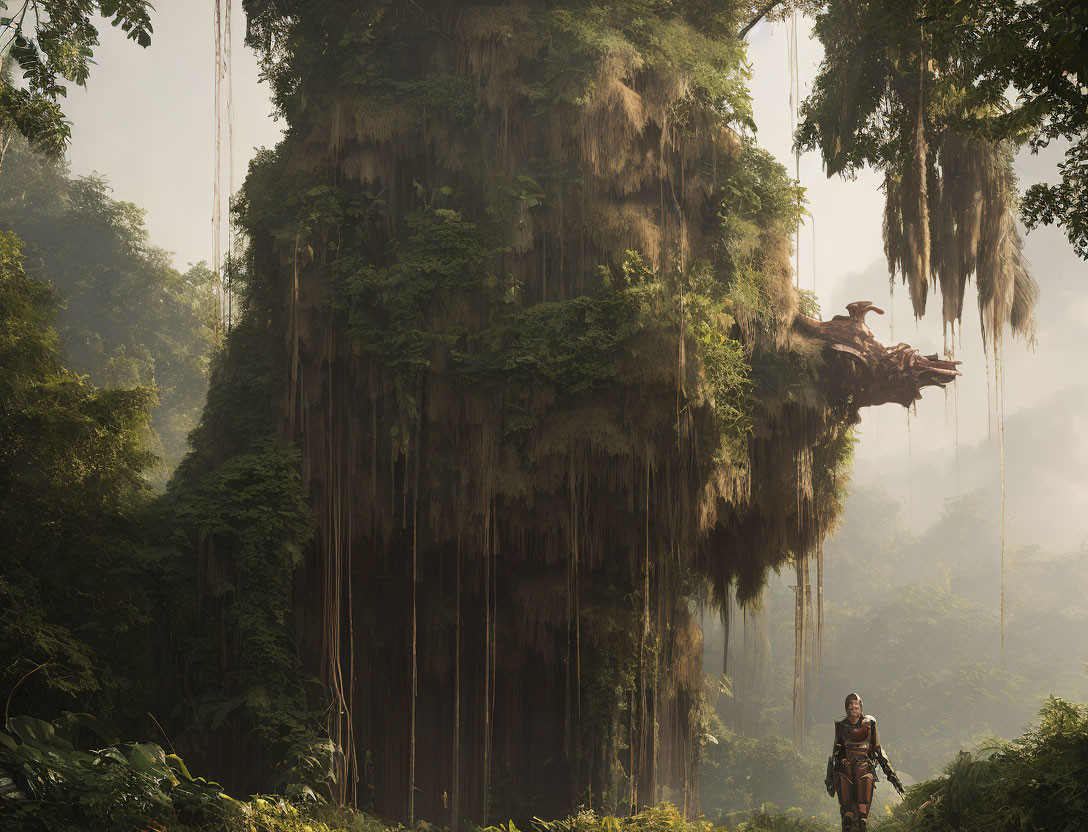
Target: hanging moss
x=901 y=91
x=522 y=300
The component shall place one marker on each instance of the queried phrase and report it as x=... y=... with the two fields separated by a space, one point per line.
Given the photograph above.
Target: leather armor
x=852 y=769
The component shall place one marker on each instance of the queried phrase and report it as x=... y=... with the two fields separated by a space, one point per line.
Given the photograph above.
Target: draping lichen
x=524 y=297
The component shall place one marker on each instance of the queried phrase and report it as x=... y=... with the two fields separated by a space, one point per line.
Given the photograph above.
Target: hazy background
x=146 y=121
x=1046 y=389
x=926 y=484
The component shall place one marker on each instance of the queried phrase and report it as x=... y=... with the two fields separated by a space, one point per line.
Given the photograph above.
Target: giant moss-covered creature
x=520 y=284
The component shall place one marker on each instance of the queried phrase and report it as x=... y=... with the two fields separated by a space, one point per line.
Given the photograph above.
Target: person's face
x=853 y=709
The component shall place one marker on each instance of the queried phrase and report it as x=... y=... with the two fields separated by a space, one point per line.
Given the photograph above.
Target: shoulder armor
x=869 y=718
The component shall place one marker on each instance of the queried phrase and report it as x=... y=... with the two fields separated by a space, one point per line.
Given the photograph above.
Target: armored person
x=851 y=770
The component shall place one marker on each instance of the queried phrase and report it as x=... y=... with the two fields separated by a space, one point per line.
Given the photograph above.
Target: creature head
x=853 y=697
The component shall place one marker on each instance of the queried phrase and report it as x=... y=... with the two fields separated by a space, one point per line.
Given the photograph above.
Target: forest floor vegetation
x=1039 y=781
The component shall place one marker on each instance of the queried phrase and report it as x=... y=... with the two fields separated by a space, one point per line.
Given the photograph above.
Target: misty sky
x=146 y=123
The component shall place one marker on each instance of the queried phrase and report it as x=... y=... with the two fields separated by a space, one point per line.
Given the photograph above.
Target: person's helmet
x=849 y=698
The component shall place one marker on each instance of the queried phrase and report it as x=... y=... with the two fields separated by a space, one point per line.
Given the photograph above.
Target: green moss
x=388 y=306
x=455 y=248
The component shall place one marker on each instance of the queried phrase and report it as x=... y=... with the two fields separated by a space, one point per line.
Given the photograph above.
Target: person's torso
x=857 y=736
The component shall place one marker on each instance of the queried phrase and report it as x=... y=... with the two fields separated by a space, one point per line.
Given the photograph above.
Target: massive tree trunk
x=538 y=351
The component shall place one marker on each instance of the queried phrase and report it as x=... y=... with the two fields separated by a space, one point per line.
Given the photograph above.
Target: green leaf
x=38 y=732
x=8 y=742
x=87 y=722
x=179 y=766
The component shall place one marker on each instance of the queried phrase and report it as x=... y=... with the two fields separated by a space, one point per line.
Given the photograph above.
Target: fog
x=1046 y=449
x=913 y=576
x=926 y=513
x=146 y=121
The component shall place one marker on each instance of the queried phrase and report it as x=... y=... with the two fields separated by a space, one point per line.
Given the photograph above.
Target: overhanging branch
x=866 y=372
x=759 y=16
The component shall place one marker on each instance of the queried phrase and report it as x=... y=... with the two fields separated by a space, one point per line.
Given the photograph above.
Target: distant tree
x=127 y=317
x=72 y=605
x=739 y=773
x=911 y=623
x=49 y=42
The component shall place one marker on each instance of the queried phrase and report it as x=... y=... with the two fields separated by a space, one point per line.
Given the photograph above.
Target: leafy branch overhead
x=938 y=97
x=43 y=44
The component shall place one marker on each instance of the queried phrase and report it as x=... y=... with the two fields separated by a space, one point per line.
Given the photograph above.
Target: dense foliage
x=100 y=582
x=484 y=371
x=127 y=317
x=73 y=775
x=899 y=73
x=61 y=784
x=49 y=42
x=1035 y=782
x=931 y=669
x=71 y=483
x=242 y=674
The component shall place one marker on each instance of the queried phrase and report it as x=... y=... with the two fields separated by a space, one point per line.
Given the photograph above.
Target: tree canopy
x=993 y=69
x=938 y=97
x=48 y=43
x=126 y=316
x=71 y=466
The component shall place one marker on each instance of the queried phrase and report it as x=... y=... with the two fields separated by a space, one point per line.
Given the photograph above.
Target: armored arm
x=880 y=757
x=889 y=772
x=836 y=753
